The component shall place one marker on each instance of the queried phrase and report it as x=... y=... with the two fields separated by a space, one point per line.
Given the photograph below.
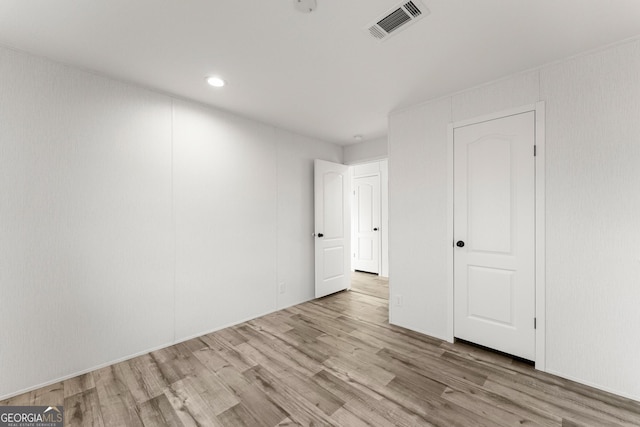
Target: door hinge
x=535 y=150
x=535 y=323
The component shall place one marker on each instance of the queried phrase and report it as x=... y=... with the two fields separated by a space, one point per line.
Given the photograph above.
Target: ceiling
x=319 y=74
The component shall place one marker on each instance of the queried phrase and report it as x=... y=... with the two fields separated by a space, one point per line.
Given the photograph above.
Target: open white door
x=494 y=229
x=332 y=227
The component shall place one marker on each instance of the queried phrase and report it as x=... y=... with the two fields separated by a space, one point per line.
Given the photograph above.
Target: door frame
x=540 y=281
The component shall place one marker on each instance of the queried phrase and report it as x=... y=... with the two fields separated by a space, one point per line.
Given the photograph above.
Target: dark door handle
x=375 y=229
x=460 y=244
x=320 y=235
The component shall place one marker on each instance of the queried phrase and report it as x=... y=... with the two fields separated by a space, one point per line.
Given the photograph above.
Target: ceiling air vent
x=397 y=19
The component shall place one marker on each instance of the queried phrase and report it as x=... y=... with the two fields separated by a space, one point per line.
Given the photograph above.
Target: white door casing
x=494 y=215
x=366 y=224
x=332 y=227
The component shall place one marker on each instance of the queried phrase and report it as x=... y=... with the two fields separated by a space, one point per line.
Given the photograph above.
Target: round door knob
x=460 y=244
x=320 y=235
x=375 y=229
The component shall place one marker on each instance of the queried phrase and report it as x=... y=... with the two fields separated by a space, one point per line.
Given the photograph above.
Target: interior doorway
x=491 y=298
x=369 y=218
x=351 y=202
x=494 y=230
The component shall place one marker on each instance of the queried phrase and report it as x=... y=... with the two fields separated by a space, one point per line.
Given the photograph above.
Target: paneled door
x=494 y=232
x=332 y=227
x=366 y=223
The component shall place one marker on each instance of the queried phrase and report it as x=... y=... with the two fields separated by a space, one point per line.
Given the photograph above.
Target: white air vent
x=398 y=18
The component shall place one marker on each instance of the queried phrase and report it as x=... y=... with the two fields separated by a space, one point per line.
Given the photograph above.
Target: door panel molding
x=539 y=208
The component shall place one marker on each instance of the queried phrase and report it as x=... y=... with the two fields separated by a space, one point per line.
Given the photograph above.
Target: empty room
x=320 y=213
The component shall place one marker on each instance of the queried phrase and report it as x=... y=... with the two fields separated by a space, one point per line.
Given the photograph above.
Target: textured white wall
x=593 y=206
x=224 y=170
x=515 y=91
x=593 y=218
x=129 y=220
x=365 y=151
x=86 y=263
x=384 y=201
x=418 y=217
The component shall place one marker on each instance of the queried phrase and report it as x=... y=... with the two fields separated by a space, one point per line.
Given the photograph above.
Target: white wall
x=130 y=220
x=224 y=171
x=592 y=210
x=365 y=151
x=593 y=218
x=384 y=217
x=418 y=218
x=85 y=221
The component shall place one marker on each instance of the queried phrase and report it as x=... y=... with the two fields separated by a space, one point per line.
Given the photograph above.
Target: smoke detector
x=305 y=6
x=397 y=19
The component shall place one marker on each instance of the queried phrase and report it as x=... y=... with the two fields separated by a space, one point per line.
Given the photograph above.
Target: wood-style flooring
x=335 y=361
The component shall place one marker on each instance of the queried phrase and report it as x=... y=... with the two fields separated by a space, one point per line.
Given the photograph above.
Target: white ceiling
x=319 y=74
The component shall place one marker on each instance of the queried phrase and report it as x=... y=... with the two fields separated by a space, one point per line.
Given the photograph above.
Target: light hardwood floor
x=332 y=361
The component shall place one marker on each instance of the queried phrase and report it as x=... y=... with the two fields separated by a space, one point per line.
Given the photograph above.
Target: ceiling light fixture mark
x=216 y=81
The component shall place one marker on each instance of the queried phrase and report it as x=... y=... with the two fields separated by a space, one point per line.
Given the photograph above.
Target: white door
x=366 y=224
x=494 y=232
x=332 y=227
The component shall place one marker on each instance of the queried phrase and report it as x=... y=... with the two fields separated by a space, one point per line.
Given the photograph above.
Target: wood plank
x=238 y=415
x=83 y=409
x=252 y=397
x=117 y=405
x=78 y=384
x=551 y=405
x=273 y=351
x=497 y=415
x=190 y=407
x=159 y=412
x=142 y=378
x=434 y=368
x=229 y=353
x=358 y=402
x=301 y=411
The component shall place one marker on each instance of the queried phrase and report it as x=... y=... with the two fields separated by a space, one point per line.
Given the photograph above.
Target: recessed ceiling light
x=357 y=137
x=215 y=81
